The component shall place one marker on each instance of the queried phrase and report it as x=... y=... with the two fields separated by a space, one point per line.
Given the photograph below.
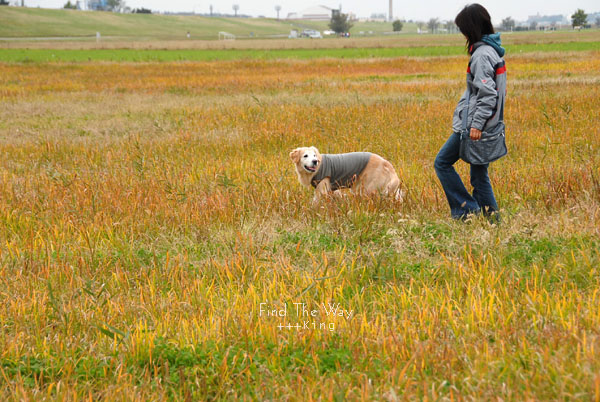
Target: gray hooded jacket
x=486 y=78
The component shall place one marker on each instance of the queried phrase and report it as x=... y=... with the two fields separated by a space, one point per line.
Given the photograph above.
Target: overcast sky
x=417 y=10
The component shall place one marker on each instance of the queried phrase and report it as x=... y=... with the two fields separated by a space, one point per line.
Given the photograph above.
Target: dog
x=363 y=172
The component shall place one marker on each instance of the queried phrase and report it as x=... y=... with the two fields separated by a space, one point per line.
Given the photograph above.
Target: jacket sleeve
x=487 y=95
x=458 y=111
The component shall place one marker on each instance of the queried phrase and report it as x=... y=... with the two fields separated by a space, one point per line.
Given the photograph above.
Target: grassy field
x=381 y=47
x=17 y=22
x=146 y=55
x=148 y=210
x=31 y=22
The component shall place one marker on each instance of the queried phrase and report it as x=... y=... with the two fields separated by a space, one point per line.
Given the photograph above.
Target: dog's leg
x=393 y=188
x=400 y=194
x=338 y=194
x=323 y=190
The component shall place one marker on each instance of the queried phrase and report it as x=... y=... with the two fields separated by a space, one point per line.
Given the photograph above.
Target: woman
x=486 y=90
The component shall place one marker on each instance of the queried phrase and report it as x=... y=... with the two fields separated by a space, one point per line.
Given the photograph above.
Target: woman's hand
x=475 y=134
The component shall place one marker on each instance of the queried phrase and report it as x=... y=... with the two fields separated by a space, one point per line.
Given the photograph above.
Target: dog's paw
x=399 y=195
x=338 y=194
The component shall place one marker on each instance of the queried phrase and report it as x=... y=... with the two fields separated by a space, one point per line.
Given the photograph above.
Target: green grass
x=16 y=22
x=27 y=22
x=144 y=55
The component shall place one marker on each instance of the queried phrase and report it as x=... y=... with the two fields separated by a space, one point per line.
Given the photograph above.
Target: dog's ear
x=295 y=155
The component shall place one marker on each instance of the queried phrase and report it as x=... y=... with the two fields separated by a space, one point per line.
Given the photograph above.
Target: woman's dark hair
x=474 y=21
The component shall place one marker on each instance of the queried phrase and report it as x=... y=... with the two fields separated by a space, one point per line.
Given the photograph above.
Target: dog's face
x=307 y=159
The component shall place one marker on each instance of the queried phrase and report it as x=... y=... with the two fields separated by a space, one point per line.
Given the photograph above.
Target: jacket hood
x=494 y=41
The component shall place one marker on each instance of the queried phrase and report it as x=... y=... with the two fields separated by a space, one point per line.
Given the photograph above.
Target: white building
x=316 y=13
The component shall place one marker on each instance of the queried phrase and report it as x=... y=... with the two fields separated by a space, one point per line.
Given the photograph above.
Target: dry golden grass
x=148 y=209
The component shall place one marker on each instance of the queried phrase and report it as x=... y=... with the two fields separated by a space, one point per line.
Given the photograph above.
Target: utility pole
x=391 y=11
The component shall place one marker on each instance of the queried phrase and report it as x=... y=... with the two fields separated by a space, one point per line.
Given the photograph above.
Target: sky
x=407 y=9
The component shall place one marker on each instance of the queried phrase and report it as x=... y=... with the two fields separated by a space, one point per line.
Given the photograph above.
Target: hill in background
x=17 y=22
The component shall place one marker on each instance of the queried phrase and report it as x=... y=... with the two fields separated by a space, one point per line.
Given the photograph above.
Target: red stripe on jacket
x=499 y=71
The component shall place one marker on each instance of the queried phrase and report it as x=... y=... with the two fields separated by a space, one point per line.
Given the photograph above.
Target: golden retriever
x=363 y=172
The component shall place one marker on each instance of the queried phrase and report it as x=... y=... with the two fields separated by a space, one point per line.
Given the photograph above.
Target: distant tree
x=142 y=11
x=278 y=9
x=70 y=6
x=508 y=24
x=236 y=7
x=3 y=3
x=420 y=25
x=114 y=5
x=211 y=10
x=533 y=25
x=397 y=25
x=433 y=24
x=579 y=18
x=339 y=23
x=450 y=26
x=598 y=21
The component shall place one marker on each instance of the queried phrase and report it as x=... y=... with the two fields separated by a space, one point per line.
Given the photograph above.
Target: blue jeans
x=461 y=202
